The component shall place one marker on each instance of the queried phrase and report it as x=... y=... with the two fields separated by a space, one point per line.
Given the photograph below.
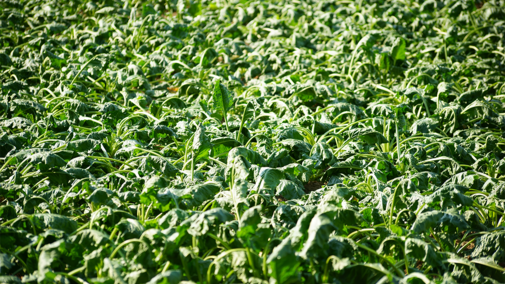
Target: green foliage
x=233 y=141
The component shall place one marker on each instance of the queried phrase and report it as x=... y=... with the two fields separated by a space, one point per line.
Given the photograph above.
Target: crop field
x=236 y=141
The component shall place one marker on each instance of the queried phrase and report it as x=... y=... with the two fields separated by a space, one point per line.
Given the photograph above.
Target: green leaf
x=7 y=212
x=181 y=5
x=252 y=157
x=11 y=237
x=83 y=145
x=5 y=262
x=100 y=196
x=289 y=190
x=367 y=135
x=424 y=125
x=46 y=160
x=290 y=133
x=249 y=221
x=90 y=239
x=450 y=196
x=489 y=245
x=16 y=123
x=319 y=232
x=221 y=97
x=194 y=195
x=130 y=228
x=172 y=218
x=10 y=280
x=398 y=49
x=160 y=164
x=268 y=179
x=297 y=147
x=385 y=62
x=201 y=144
x=439 y=219
x=54 y=221
x=489 y=263
x=167 y=277
x=207 y=221
x=367 y=41
x=51 y=256
x=283 y=263
x=422 y=251
x=469 y=97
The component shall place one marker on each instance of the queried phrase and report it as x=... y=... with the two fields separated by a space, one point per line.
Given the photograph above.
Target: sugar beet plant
x=227 y=141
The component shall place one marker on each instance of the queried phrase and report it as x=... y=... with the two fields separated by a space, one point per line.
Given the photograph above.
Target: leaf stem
x=398 y=271
x=223 y=254
x=242 y=123
x=125 y=243
x=437 y=239
x=83 y=67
